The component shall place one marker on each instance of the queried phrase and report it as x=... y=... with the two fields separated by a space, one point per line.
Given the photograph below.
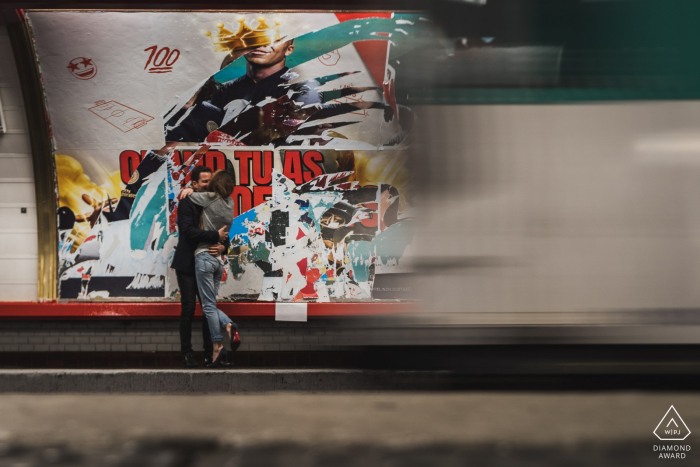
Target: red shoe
x=235 y=340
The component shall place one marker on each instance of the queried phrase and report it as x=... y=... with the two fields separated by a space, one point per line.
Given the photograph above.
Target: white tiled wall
x=18 y=232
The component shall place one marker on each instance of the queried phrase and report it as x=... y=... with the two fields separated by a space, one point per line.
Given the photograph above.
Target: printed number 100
x=161 y=57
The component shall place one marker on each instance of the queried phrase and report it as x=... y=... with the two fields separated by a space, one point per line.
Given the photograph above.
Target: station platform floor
x=339 y=428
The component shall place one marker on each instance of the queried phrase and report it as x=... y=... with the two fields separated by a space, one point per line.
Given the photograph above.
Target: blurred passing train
x=558 y=167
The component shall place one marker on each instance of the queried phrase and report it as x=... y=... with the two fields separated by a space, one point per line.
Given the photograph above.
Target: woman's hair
x=221 y=184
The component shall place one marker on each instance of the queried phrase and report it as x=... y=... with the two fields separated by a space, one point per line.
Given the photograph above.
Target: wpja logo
x=672 y=428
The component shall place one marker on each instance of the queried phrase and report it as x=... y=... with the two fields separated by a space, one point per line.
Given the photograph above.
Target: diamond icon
x=672 y=427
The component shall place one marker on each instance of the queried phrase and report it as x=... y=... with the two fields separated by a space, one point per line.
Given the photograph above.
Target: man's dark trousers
x=188 y=297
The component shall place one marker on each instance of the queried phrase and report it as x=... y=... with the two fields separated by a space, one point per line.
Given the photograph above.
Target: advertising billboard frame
x=50 y=306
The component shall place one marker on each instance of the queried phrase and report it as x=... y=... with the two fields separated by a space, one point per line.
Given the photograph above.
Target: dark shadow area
x=185 y=453
x=533 y=367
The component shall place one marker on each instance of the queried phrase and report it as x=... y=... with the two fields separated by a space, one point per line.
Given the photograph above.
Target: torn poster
x=304 y=110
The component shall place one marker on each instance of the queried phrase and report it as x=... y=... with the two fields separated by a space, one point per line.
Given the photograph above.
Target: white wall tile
x=15 y=143
x=15 y=270
x=20 y=243
x=18 y=292
x=16 y=193
x=17 y=166
x=15 y=119
x=18 y=237
x=11 y=96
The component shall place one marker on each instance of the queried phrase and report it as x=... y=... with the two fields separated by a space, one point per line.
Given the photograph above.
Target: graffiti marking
x=119 y=115
x=162 y=60
x=351 y=98
x=331 y=58
x=82 y=68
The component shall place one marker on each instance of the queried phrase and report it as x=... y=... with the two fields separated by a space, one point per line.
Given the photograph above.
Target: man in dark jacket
x=183 y=263
x=266 y=77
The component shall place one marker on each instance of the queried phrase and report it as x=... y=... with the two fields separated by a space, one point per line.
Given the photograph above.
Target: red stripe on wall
x=145 y=310
x=342 y=17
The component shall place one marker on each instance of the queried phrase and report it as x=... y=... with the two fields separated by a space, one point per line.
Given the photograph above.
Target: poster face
x=301 y=109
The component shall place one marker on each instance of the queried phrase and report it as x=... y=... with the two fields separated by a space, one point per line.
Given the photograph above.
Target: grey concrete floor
x=387 y=428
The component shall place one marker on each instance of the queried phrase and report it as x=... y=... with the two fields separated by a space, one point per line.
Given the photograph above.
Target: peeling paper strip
x=290 y=312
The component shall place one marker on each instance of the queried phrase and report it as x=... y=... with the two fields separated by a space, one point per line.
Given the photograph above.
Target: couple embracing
x=205 y=214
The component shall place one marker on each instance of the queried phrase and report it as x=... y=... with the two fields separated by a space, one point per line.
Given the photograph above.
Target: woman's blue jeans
x=209 y=270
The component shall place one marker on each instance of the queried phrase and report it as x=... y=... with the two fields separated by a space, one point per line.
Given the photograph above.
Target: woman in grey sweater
x=217 y=213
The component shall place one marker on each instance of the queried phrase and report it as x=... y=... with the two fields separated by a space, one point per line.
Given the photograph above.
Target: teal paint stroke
x=389 y=244
x=316 y=43
x=325 y=79
x=320 y=202
x=258 y=253
x=235 y=266
x=360 y=254
x=149 y=208
x=392 y=243
x=480 y=96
